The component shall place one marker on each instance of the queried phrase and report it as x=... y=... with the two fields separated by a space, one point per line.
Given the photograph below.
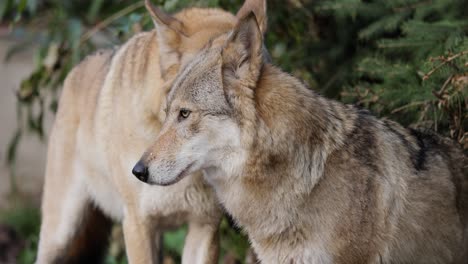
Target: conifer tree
x=403 y=59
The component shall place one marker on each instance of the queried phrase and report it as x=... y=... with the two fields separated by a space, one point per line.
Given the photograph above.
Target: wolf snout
x=141 y=171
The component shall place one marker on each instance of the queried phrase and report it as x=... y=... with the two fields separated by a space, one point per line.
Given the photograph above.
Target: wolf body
x=110 y=110
x=310 y=180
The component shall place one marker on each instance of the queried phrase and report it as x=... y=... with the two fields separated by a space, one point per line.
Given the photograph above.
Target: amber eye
x=184 y=113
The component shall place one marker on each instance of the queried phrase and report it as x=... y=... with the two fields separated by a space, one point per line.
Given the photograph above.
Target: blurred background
x=402 y=59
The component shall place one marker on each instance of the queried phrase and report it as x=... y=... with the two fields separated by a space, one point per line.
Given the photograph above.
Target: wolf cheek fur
x=311 y=180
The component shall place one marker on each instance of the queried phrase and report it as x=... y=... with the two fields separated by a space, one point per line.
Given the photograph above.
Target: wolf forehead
x=200 y=83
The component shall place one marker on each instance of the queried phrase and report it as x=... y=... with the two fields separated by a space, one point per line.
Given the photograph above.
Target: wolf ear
x=170 y=31
x=242 y=52
x=259 y=8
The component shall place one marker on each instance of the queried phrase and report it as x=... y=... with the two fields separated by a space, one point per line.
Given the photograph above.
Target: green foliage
x=25 y=220
x=174 y=243
x=409 y=60
x=113 y=260
x=378 y=54
x=233 y=241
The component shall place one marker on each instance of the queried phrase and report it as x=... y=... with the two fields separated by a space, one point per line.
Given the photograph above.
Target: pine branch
x=445 y=61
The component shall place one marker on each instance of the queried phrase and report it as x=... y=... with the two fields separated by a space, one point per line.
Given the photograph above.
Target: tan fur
x=109 y=112
x=259 y=8
x=311 y=180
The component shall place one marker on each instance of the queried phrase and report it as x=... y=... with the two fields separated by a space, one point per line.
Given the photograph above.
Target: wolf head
x=206 y=111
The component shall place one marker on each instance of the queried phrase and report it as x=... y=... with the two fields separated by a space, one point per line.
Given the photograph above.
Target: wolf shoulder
x=386 y=148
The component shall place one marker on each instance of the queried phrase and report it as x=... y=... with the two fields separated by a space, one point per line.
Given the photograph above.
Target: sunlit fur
x=311 y=180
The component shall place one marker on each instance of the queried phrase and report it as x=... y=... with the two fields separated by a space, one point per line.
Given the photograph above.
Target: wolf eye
x=184 y=113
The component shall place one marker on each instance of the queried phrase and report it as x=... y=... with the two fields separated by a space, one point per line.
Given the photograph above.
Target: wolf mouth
x=179 y=177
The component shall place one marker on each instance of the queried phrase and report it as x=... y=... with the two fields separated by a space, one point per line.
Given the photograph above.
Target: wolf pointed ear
x=259 y=8
x=242 y=52
x=170 y=32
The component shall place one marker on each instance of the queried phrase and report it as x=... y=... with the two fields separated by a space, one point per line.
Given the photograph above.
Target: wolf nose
x=140 y=171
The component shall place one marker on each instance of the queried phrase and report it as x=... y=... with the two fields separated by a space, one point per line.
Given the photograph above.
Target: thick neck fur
x=295 y=129
x=287 y=141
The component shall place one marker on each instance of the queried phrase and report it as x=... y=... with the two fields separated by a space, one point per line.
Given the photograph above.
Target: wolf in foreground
x=110 y=111
x=309 y=179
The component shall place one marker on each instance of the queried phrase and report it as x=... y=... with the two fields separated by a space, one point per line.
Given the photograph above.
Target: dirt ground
x=32 y=152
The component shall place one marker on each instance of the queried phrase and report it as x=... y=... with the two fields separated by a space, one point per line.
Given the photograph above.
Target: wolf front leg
x=201 y=244
x=142 y=241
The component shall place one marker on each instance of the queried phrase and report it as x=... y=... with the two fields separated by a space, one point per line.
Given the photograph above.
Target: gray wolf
x=310 y=180
x=110 y=110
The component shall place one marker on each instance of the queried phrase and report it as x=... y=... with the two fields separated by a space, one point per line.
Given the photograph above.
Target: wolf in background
x=110 y=110
x=310 y=180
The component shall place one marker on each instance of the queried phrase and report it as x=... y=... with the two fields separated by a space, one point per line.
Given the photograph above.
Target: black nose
x=140 y=171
